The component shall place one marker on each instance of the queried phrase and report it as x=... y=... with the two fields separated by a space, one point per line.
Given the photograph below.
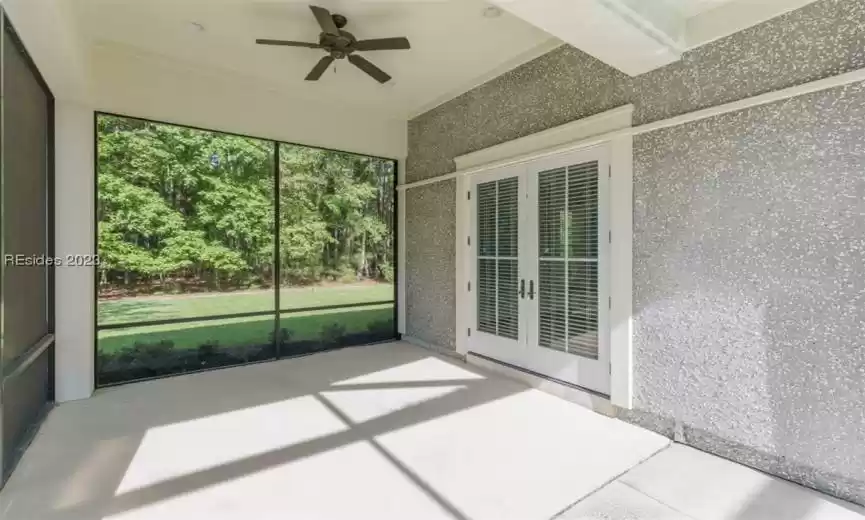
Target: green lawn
x=151 y=308
x=241 y=331
x=244 y=331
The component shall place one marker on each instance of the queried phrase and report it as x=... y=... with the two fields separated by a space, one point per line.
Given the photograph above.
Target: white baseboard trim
x=583 y=398
x=444 y=351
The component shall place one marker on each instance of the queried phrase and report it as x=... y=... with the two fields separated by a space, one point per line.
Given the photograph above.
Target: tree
x=180 y=206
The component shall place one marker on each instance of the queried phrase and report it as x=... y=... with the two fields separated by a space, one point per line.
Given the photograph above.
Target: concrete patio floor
x=379 y=432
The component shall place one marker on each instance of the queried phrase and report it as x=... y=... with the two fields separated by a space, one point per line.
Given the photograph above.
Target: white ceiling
x=454 y=47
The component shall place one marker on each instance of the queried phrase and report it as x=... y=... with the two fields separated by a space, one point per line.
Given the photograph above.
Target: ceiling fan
x=341 y=44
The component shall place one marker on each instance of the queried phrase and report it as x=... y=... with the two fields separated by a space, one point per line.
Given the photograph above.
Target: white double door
x=539 y=257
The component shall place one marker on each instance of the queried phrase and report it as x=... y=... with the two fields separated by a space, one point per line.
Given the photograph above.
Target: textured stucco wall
x=430 y=263
x=749 y=285
x=749 y=257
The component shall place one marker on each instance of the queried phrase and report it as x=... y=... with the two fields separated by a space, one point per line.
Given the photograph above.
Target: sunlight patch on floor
x=188 y=447
x=526 y=455
x=423 y=370
x=351 y=481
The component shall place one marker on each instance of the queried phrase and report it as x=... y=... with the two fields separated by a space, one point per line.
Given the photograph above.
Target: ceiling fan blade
x=325 y=20
x=383 y=44
x=288 y=43
x=319 y=68
x=364 y=65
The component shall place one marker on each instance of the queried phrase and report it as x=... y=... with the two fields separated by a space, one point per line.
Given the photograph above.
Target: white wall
x=74 y=232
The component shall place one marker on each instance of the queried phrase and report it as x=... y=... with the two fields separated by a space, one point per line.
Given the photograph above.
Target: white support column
x=74 y=231
x=621 y=259
x=463 y=296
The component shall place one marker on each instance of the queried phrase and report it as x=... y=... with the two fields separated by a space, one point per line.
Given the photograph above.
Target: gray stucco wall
x=430 y=263
x=749 y=256
x=749 y=286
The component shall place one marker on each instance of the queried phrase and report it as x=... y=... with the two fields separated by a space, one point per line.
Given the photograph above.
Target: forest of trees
x=181 y=210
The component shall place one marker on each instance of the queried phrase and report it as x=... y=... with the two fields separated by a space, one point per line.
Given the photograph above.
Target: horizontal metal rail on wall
x=216 y=317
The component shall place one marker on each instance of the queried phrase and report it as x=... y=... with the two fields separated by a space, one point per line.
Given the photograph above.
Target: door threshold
x=576 y=394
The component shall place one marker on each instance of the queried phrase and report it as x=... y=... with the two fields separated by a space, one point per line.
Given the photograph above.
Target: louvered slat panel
x=486 y=300
x=583 y=308
x=508 y=249
x=552 y=323
x=508 y=303
x=551 y=213
x=568 y=263
x=487 y=219
x=498 y=265
x=487 y=295
x=583 y=212
x=508 y=217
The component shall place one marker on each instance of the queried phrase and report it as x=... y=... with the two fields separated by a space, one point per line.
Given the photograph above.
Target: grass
x=151 y=308
x=240 y=331
x=244 y=331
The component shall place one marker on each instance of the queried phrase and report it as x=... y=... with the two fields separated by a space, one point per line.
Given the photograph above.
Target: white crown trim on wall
x=576 y=131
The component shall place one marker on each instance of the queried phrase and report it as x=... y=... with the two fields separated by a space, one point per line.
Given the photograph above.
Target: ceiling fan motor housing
x=340 y=45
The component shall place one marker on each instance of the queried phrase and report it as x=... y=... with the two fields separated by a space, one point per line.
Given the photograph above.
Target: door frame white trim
x=529 y=148
x=581 y=134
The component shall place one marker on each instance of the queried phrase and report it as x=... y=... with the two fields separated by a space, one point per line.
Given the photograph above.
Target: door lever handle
x=531 y=289
x=522 y=291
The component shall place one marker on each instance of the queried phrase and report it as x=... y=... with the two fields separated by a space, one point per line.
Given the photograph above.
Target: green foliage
x=180 y=205
x=332 y=334
x=208 y=350
x=387 y=272
x=383 y=328
x=147 y=354
x=285 y=336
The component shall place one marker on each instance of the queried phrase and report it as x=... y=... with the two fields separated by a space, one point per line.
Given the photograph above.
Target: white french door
x=497 y=264
x=539 y=269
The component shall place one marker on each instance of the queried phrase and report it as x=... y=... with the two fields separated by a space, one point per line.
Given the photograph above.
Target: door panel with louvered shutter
x=541 y=223
x=568 y=257
x=497 y=261
x=569 y=339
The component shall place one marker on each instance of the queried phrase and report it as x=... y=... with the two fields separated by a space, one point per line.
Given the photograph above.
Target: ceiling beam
x=636 y=36
x=633 y=36
x=734 y=16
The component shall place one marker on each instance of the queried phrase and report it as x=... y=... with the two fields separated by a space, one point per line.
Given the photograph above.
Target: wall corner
x=75 y=307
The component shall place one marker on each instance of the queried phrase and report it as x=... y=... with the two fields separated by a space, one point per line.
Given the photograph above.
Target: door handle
x=522 y=291
x=531 y=289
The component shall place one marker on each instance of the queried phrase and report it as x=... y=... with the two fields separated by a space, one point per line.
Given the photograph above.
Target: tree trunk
x=364 y=268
